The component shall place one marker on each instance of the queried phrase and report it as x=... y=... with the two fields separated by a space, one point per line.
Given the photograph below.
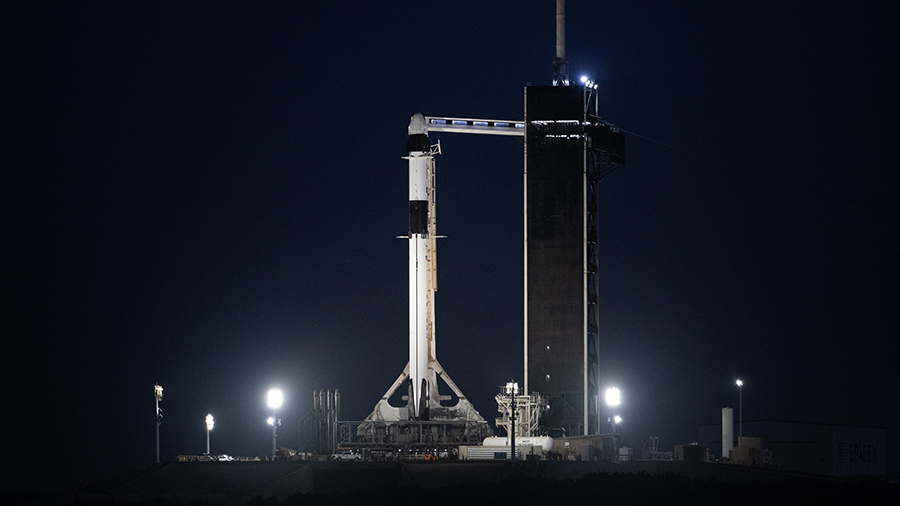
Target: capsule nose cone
x=417 y=124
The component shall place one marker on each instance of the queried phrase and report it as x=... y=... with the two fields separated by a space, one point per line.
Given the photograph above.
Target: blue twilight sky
x=207 y=195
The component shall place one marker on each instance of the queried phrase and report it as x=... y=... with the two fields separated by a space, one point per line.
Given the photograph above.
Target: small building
x=750 y=452
x=601 y=447
x=692 y=453
x=836 y=450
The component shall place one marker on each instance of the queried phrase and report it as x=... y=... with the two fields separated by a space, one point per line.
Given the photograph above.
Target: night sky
x=208 y=195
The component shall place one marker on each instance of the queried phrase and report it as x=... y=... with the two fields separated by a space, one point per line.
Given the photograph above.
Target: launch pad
x=391 y=426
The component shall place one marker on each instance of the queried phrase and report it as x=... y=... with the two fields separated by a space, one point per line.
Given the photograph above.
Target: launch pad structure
x=569 y=148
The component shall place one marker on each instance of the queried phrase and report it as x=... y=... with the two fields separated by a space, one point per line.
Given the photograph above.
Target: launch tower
x=568 y=149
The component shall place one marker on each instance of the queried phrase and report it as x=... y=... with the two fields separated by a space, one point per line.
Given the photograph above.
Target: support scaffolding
x=529 y=409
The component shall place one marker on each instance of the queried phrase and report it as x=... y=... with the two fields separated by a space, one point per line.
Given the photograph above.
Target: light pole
x=157 y=394
x=740 y=385
x=209 y=426
x=512 y=390
x=274 y=399
x=613 y=399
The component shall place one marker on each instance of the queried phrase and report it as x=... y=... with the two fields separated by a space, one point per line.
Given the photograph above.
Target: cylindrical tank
x=546 y=443
x=727 y=431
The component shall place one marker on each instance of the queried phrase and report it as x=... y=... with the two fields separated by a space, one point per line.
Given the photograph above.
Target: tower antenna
x=560 y=65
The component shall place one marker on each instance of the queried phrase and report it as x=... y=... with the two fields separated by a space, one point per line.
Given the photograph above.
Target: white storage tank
x=727 y=431
x=545 y=443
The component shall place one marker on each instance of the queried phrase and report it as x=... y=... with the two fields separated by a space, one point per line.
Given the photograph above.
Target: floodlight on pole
x=209 y=427
x=613 y=399
x=740 y=385
x=512 y=390
x=613 y=421
x=274 y=399
x=157 y=394
x=613 y=396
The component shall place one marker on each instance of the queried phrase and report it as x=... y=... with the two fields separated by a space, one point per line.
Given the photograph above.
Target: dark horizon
x=208 y=196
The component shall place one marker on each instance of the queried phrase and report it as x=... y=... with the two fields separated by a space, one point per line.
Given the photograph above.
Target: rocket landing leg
x=463 y=410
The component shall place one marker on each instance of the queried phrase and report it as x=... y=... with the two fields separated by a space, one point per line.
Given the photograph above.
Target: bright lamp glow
x=271 y=421
x=584 y=79
x=740 y=383
x=274 y=399
x=613 y=396
x=617 y=419
x=209 y=422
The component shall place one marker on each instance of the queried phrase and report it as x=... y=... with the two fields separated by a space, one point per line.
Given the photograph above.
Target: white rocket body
x=419 y=264
x=421 y=375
